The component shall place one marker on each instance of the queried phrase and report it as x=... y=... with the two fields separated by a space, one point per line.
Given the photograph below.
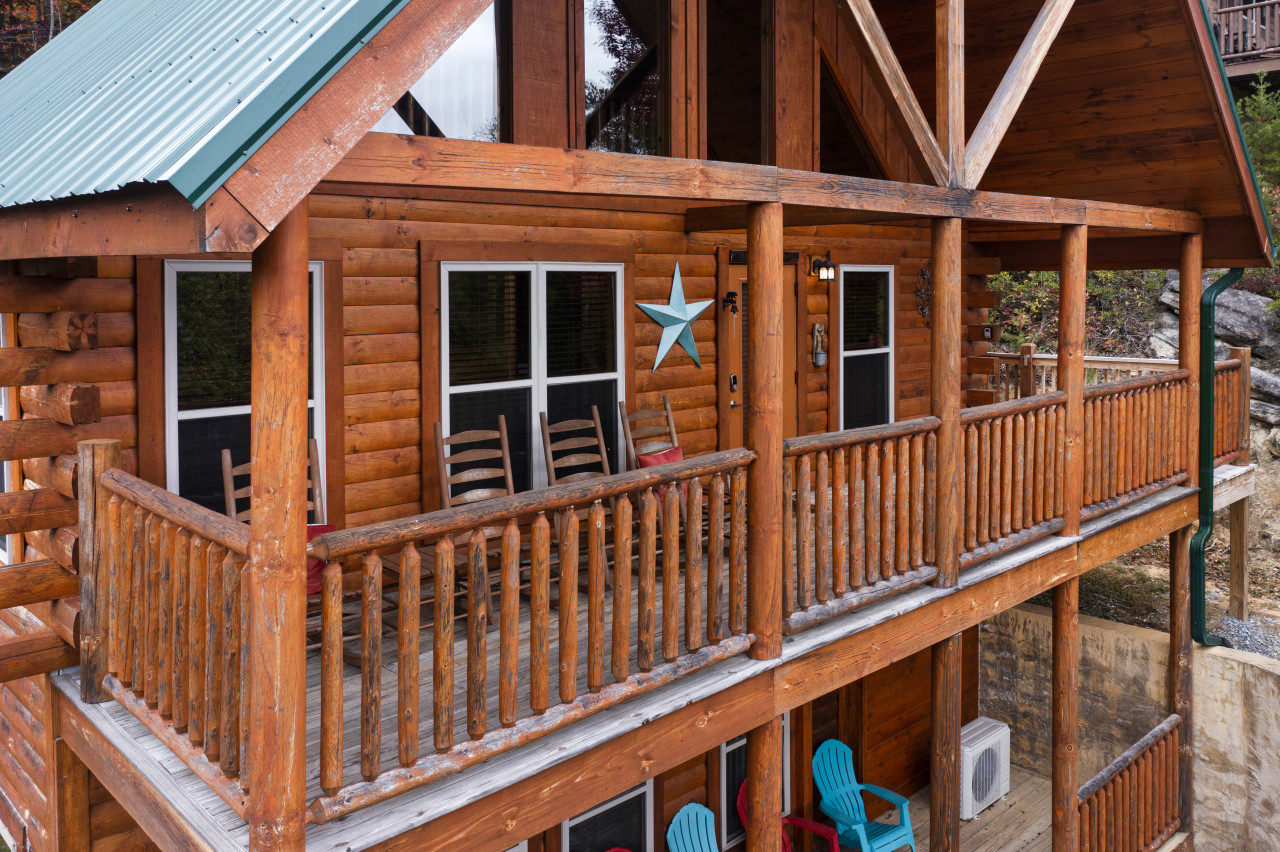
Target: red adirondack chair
x=833 y=838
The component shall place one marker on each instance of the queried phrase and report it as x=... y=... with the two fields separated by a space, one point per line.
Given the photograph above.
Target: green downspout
x=1208 y=320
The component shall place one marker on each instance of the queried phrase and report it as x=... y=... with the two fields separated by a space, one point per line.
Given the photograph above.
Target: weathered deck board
x=1020 y=822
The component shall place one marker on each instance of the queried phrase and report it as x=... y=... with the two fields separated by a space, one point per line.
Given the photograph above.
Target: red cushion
x=674 y=454
x=314 y=566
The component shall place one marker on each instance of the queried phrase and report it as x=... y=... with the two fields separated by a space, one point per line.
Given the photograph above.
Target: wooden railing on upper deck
x=1027 y=373
x=471 y=541
x=1135 y=439
x=1011 y=478
x=1246 y=29
x=1134 y=804
x=859 y=517
x=174 y=631
x=1231 y=404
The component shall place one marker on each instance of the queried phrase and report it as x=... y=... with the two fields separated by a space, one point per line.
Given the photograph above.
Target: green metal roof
x=176 y=91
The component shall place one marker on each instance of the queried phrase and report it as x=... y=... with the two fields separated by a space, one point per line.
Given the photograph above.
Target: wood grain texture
x=1071 y=333
x=1065 y=715
x=945 y=390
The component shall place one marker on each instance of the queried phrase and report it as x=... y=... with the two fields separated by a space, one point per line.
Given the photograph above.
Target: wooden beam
x=1190 y=274
x=1238 y=521
x=764 y=786
x=1013 y=88
x=280 y=174
x=24 y=365
x=1065 y=782
x=68 y=403
x=27 y=439
x=944 y=763
x=94 y=458
x=20 y=294
x=70 y=795
x=31 y=582
x=276 y=611
x=1071 y=324
x=34 y=654
x=763 y=428
x=1179 y=686
x=945 y=393
x=62 y=330
x=949 y=85
x=892 y=83
x=42 y=509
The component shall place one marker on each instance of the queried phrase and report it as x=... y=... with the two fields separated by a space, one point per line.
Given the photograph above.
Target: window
x=519 y=339
x=866 y=346
x=625 y=821
x=733 y=773
x=620 y=40
x=736 y=44
x=458 y=96
x=207 y=362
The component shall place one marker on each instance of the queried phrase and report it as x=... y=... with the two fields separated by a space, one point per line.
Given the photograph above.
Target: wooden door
x=733 y=351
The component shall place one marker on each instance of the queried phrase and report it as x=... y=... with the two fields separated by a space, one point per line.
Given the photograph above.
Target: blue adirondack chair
x=693 y=830
x=842 y=801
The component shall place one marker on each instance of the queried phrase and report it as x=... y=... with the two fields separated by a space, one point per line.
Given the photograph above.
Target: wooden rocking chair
x=563 y=454
x=232 y=494
x=644 y=436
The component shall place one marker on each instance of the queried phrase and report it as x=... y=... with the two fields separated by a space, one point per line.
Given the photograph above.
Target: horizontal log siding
x=26 y=757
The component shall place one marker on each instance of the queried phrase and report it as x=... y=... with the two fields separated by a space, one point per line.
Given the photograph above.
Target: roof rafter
x=896 y=90
x=1013 y=88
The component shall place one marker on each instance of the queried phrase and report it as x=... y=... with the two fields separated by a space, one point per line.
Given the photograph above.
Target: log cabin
x=417 y=264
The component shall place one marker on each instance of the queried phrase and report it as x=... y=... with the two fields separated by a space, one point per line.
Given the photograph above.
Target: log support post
x=945 y=389
x=1238 y=606
x=944 y=765
x=277 y=590
x=1179 y=687
x=71 y=830
x=764 y=787
x=1190 y=274
x=1066 y=716
x=95 y=458
x=1075 y=240
x=1027 y=370
x=764 y=498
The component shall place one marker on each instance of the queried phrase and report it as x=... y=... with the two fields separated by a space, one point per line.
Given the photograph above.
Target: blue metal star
x=676 y=319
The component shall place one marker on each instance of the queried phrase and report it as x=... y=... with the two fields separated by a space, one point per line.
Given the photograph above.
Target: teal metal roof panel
x=164 y=91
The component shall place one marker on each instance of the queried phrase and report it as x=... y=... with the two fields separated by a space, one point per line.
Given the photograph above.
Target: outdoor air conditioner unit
x=984 y=765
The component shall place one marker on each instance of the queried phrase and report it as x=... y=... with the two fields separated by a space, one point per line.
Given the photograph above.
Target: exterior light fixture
x=824 y=269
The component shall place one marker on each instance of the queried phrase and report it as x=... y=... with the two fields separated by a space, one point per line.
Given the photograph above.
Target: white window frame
x=645 y=789
x=538 y=381
x=7 y=556
x=841 y=352
x=172 y=416
x=729 y=798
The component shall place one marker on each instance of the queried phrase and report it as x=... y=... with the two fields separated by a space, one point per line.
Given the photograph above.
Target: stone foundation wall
x=1123 y=669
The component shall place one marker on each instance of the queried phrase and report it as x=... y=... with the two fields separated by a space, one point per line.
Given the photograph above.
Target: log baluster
x=646 y=600
x=442 y=645
x=371 y=666
x=621 y=647
x=540 y=614
x=407 y=647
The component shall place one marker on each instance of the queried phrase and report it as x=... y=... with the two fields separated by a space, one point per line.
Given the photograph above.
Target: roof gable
x=138 y=91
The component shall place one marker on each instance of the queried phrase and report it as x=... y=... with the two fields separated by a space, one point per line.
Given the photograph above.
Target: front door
x=735 y=354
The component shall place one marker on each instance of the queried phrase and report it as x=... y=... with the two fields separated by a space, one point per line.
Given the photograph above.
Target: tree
x=1260 y=120
x=28 y=25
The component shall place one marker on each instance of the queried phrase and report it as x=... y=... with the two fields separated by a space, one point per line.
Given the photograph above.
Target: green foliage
x=1120 y=309
x=1260 y=121
x=28 y=25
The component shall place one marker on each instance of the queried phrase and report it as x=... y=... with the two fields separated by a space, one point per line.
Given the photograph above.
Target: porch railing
x=1134 y=805
x=1135 y=439
x=1028 y=373
x=1246 y=29
x=1012 y=473
x=704 y=585
x=174 y=632
x=860 y=517
x=1231 y=401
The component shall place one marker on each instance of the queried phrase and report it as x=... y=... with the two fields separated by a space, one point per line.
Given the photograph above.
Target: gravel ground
x=1259 y=634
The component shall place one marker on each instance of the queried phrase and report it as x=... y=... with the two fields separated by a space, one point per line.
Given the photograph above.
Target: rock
x=1264 y=411
x=1162 y=346
x=1264 y=385
x=1243 y=319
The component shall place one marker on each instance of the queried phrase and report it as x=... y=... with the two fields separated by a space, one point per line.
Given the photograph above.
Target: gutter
x=1208 y=321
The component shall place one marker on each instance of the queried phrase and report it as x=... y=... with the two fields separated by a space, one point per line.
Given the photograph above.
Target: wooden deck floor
x=1020 y=822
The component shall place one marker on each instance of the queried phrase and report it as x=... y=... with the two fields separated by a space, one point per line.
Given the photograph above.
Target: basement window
x=625 y=821
x=458 y=96
x=620 y=41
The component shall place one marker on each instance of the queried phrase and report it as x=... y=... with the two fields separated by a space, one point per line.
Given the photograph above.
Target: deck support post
x=1179 y=686
x=96 y=457
x=1238 y=522
x=764 y=786
x=1190 y=275
x=944 y=764
x=764 y=428
x=277 y=590
x=1071 y=308
x=945 y=389
x=1066 y=716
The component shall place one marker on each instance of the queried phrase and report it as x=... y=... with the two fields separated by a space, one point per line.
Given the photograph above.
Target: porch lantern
x=823 y=268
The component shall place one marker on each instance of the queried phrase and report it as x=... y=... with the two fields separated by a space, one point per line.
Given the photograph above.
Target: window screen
x=623 y=822
x=866 y=347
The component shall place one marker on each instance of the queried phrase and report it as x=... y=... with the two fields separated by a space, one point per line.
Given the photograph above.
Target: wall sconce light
x=824 y=269
x=819 y=345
